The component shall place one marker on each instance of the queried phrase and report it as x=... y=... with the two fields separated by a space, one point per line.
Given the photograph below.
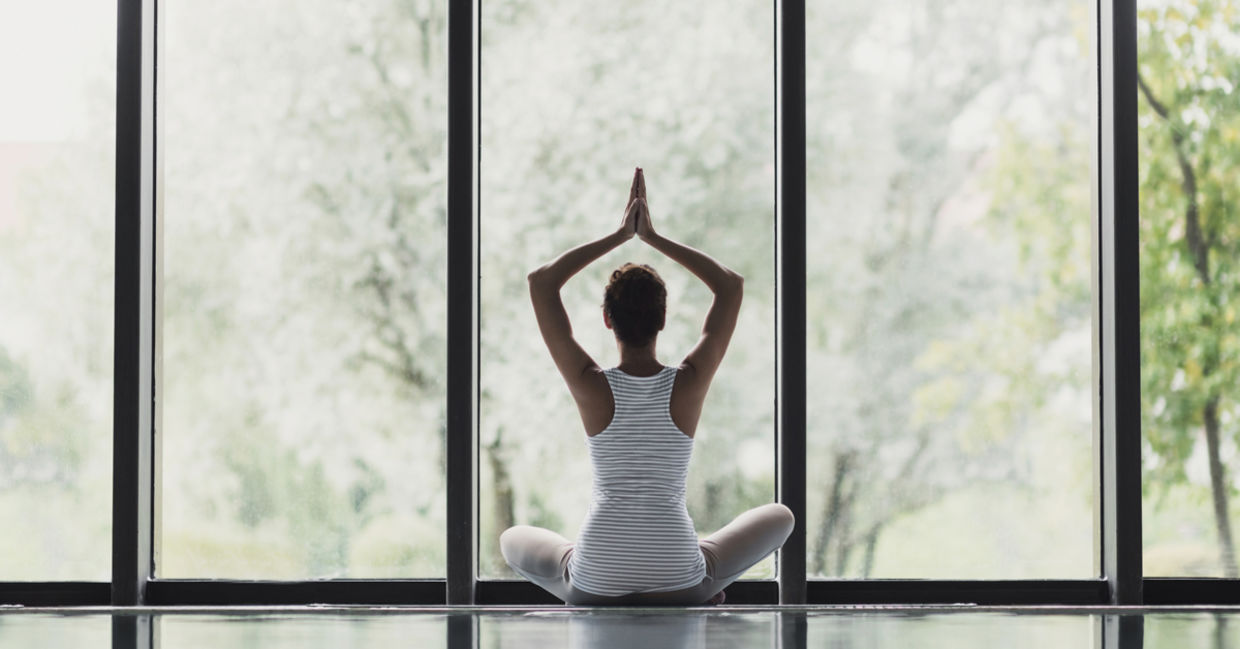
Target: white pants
x=541 y=556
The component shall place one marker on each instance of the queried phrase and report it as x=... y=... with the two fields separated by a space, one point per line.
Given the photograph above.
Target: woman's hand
x=638 y=206
x=637 y=190
x=628 y=226
x=645 y=227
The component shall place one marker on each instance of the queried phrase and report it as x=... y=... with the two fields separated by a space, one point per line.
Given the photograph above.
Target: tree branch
x=1197 y=245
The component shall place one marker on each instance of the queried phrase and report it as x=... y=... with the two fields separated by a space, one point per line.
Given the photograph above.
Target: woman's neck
x=639 y=361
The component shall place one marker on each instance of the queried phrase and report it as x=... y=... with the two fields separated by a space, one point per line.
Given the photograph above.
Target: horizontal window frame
x=55 y=593
x=1190 y=591
x=223 y=592
x=1159 y=592
x=1014 y=592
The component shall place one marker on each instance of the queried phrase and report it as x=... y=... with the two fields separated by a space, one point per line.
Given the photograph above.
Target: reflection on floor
x=725 y=627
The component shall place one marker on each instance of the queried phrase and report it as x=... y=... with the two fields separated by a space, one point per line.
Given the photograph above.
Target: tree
x=304 y=299
x=1189 y=116
x=919 y=316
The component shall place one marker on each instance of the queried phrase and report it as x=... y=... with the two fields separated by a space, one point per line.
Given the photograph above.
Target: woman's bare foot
x=717 y=599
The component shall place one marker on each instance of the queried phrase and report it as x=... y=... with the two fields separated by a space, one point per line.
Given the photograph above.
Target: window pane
x=949 y=317
x=1189 y=121
x=58 y=63
x=47 y=630
x=304 y=306
x=574 y=96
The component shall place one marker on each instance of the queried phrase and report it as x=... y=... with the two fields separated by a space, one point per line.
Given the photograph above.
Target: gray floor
x=539 y=628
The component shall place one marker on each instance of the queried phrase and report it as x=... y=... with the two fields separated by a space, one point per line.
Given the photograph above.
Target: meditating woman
x=638 y=544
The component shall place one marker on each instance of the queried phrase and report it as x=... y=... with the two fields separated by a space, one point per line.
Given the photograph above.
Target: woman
x=638 y=544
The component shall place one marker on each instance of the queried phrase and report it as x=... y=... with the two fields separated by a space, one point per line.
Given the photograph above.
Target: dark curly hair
x=635 y=301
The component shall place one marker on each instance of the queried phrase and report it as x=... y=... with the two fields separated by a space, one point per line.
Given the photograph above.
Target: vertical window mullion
x=1119 y=294
x=790 y=276
x=134 y=296
x=461 y=484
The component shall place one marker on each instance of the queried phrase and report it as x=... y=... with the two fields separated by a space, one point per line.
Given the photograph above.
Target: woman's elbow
x=539 y=280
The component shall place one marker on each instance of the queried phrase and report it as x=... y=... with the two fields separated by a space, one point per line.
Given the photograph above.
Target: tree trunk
x=845 y=543
x=1218 y=488
x=505 y=516
x=830 y=515
x=871 y=543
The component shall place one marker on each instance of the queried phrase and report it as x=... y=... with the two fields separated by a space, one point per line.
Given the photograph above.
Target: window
x=972 y=385
x=303 y=324
x=1190 y=232
x=56 y=271
x=688 y=96
x=948 y=289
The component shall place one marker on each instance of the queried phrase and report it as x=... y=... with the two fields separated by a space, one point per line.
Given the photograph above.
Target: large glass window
x=948 y=288
x=304 y=301
x=574 y=96
x=1189 y=112
x=57 y=62
x=301 y=280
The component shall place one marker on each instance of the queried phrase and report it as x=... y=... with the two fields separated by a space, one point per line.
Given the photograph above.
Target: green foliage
x=1189 y=112
x=1188 y=317
x=949 y=289
x=56 y=279
x=303 y=327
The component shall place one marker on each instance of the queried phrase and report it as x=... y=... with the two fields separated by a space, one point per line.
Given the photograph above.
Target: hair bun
x=635 y=301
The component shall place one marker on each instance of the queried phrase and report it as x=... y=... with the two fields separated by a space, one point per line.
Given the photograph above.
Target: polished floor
x=725 y=627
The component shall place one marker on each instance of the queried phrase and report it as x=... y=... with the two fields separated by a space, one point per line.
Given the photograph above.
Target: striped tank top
x=637 y=536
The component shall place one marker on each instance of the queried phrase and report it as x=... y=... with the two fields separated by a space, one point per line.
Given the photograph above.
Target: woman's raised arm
x=726 y=284
x=574 y=364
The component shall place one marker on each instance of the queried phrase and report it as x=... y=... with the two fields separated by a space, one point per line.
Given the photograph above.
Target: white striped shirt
x=637 y=536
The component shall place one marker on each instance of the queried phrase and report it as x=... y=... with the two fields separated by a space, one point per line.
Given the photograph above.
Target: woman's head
x=635 y=304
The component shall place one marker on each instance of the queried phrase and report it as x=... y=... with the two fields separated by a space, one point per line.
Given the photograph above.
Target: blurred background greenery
x=951 y=157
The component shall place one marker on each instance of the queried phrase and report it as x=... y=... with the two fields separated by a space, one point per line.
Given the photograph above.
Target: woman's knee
x=509 y=542
x=782 y=518
x=747 y=539
x=532 y=549
x=775 y=517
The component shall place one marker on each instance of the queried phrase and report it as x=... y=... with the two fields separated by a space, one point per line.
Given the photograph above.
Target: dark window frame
x=136 y=414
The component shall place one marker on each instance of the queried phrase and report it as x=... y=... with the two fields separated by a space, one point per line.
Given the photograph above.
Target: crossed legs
x=541 y=556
